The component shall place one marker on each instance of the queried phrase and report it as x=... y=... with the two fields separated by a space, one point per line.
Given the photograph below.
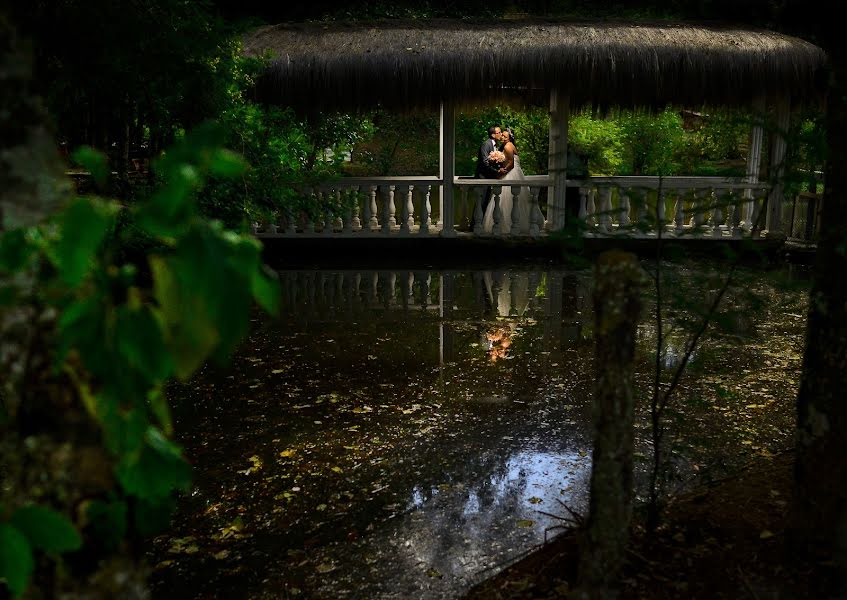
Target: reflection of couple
x=509 y=294
x=494 y=163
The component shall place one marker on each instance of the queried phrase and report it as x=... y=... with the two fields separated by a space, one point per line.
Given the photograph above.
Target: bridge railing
x=405 y=206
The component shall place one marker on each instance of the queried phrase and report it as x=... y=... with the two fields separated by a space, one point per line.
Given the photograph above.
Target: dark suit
x=485 y=171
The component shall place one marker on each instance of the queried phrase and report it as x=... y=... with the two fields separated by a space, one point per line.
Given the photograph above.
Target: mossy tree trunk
x=819 y=517
x=619 y=281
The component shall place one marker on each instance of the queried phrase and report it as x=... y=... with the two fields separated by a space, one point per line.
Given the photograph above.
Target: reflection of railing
x=415 y=206
x=450 y=300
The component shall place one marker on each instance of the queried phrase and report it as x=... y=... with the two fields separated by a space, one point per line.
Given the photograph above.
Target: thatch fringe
x=417 y=64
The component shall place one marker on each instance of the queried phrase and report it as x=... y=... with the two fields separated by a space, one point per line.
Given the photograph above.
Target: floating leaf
x=434 y=573
x=288 y=453
x=765 y=534
x=325 y=568
x=535 y=500
x=525 y=523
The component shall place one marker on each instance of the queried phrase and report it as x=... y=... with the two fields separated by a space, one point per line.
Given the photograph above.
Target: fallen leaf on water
x=337 y=469
x=324 y=568
x=535 y=500
x=433 y=573
x=288 y=453
x=278 y=371
x=222 y=554
x=765 y=534
x=525 y=523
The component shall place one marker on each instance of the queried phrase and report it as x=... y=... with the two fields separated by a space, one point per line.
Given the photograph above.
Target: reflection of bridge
x=450 y=299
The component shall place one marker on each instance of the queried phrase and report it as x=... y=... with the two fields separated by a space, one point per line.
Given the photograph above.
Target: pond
x=401 y=434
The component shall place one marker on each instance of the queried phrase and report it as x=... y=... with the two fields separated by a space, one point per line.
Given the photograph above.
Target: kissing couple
x=498 y=159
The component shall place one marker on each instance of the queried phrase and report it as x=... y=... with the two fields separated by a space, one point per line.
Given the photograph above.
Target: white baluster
x=606 y=209
x=716 y=220
x=515 y=229
x=679 y=212
x=428 y=206
x=329 y=212
x=387 y=195
x=698 y=214
x=371 y=210
x=339 y=210
x=392 y=209
x=623 y=207
x=411 y=204
x=426 y=221
x=735 y=227
x=402 y=192
x=356 y=195
x=498 y=213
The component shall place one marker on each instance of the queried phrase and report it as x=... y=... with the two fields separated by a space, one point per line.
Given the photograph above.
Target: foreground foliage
x=109 y=335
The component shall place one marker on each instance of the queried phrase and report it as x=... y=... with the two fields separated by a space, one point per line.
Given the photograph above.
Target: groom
x=484 y=170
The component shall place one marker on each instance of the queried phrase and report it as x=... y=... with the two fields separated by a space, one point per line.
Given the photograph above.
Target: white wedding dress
x=513 y=177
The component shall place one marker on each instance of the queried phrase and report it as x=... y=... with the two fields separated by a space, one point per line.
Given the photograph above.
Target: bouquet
x=496 y=157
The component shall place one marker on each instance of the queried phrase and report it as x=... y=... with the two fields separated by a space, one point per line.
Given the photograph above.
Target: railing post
x=754 y=160
x=447 y=166
x=557 y=158
x=773 y=223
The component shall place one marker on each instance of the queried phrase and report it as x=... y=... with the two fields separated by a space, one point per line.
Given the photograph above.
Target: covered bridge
x=445 y=64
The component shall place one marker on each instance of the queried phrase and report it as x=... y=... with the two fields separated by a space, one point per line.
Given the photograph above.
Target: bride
x=513 y=175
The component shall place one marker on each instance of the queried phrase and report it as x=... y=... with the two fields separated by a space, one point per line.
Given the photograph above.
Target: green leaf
x=225 y=163
x=47 y=529
x=159 y=405
x=95 y=162
x=265 y=288
x=156 y=471
x=141 y=342
x=191 y=321
x=84 y=225
x=16 y=562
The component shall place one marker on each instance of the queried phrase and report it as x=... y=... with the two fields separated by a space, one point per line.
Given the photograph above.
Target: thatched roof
x=408 y=64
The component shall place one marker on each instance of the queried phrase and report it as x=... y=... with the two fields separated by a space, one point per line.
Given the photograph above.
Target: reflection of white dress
x=513 y=177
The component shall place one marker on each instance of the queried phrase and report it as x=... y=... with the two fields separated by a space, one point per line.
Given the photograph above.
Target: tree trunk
x=819 y=517
x=619 y=280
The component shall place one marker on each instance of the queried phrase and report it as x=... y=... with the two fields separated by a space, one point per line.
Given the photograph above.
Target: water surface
x=407 y=433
